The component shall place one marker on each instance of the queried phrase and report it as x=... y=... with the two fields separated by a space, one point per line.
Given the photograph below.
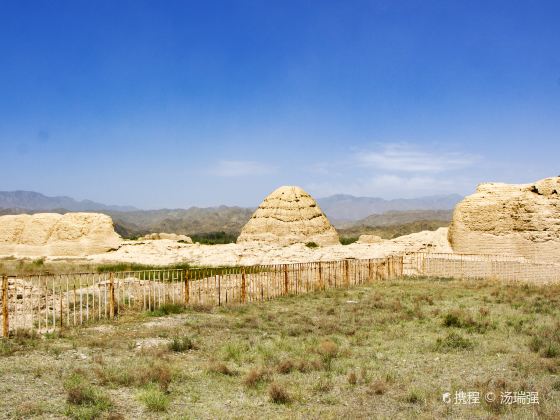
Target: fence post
x=187 y=291
x=285 y=279
x=321 y=284
x=5 y=303
x=61 y=313
x=111 y=296
x=346 y=274
x=243 y=286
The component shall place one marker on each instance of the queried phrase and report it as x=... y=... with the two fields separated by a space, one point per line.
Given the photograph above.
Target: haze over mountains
x=347 y=207
x=30 y=200
x=346 y=212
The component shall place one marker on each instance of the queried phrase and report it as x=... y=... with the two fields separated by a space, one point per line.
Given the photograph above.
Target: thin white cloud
x=403 y=157
x=391 y=186
x=238 y=168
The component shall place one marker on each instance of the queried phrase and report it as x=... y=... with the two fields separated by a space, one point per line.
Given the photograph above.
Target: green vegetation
x=312 y=245
x=347 y=240
x=387 y=350
x=154 y=399
x=213 y=238
x=85 y=401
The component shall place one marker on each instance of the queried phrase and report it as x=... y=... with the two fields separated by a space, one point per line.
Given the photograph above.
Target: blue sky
x=172 y=104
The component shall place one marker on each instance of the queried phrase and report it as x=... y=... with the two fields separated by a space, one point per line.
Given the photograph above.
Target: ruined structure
x=519 y=220
x=51 y=234
x=287 y=216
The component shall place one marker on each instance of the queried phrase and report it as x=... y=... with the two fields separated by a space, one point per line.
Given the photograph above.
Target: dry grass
x=387 y=350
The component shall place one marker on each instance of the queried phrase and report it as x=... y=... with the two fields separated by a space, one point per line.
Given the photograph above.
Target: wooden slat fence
x=471 y=266
x=45 y=303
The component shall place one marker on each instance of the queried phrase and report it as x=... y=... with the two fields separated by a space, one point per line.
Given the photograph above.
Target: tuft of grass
x=278 y=394
x=312 y=245
x=220 y=368
x=378 y=387
x=352 y=378
x=285 y=366
x=255 y=377
x=85 y=400
x=7 y=347
x=154 y=399
x=182 y=344
x=234 y=350
x=139 y=373
x=167 y=309
x=413 y=397
x=462 y=319
x=453 y=341
x=328 y=350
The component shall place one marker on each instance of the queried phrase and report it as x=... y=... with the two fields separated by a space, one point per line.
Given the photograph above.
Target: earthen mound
x=287 y=216
x=51 y=234
x=512 y=219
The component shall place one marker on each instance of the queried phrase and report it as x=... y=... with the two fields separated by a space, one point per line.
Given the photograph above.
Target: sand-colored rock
x=519 y=220
x=369 y=239
x=169 y=236
x=50 y=234
x=289 y=216
x=164 y=252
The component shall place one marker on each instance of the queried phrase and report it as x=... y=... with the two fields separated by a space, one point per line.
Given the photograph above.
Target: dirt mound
x=520 y=220
x=369 y=239
x=50 y=234
x=289 y=216
x=169 y=236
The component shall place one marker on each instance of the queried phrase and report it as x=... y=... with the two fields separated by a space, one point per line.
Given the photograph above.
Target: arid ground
x=389 y=350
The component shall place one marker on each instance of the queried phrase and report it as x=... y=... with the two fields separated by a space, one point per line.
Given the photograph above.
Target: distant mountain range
x=31 y=200
x=393 y=218
x=346 y=212
x=342 y=207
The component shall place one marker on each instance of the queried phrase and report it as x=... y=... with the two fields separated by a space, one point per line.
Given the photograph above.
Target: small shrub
x=328 y=351
x=536 y=343
x=378 y=387
x=181 y=344
x=323 y=385
x=463 y=319
x=255 y=377
x=413 y=397
x=551 y=350
x=453 y=341
x=311 y=245
x=154 y=399
x=220 y=368
x=278 y=394
x=7 y=347
x=285 y=366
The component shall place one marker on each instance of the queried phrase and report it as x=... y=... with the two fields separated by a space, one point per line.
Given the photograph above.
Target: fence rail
x=45 y=303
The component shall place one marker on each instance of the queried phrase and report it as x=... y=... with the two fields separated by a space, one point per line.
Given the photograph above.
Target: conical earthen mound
x=287 y=216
